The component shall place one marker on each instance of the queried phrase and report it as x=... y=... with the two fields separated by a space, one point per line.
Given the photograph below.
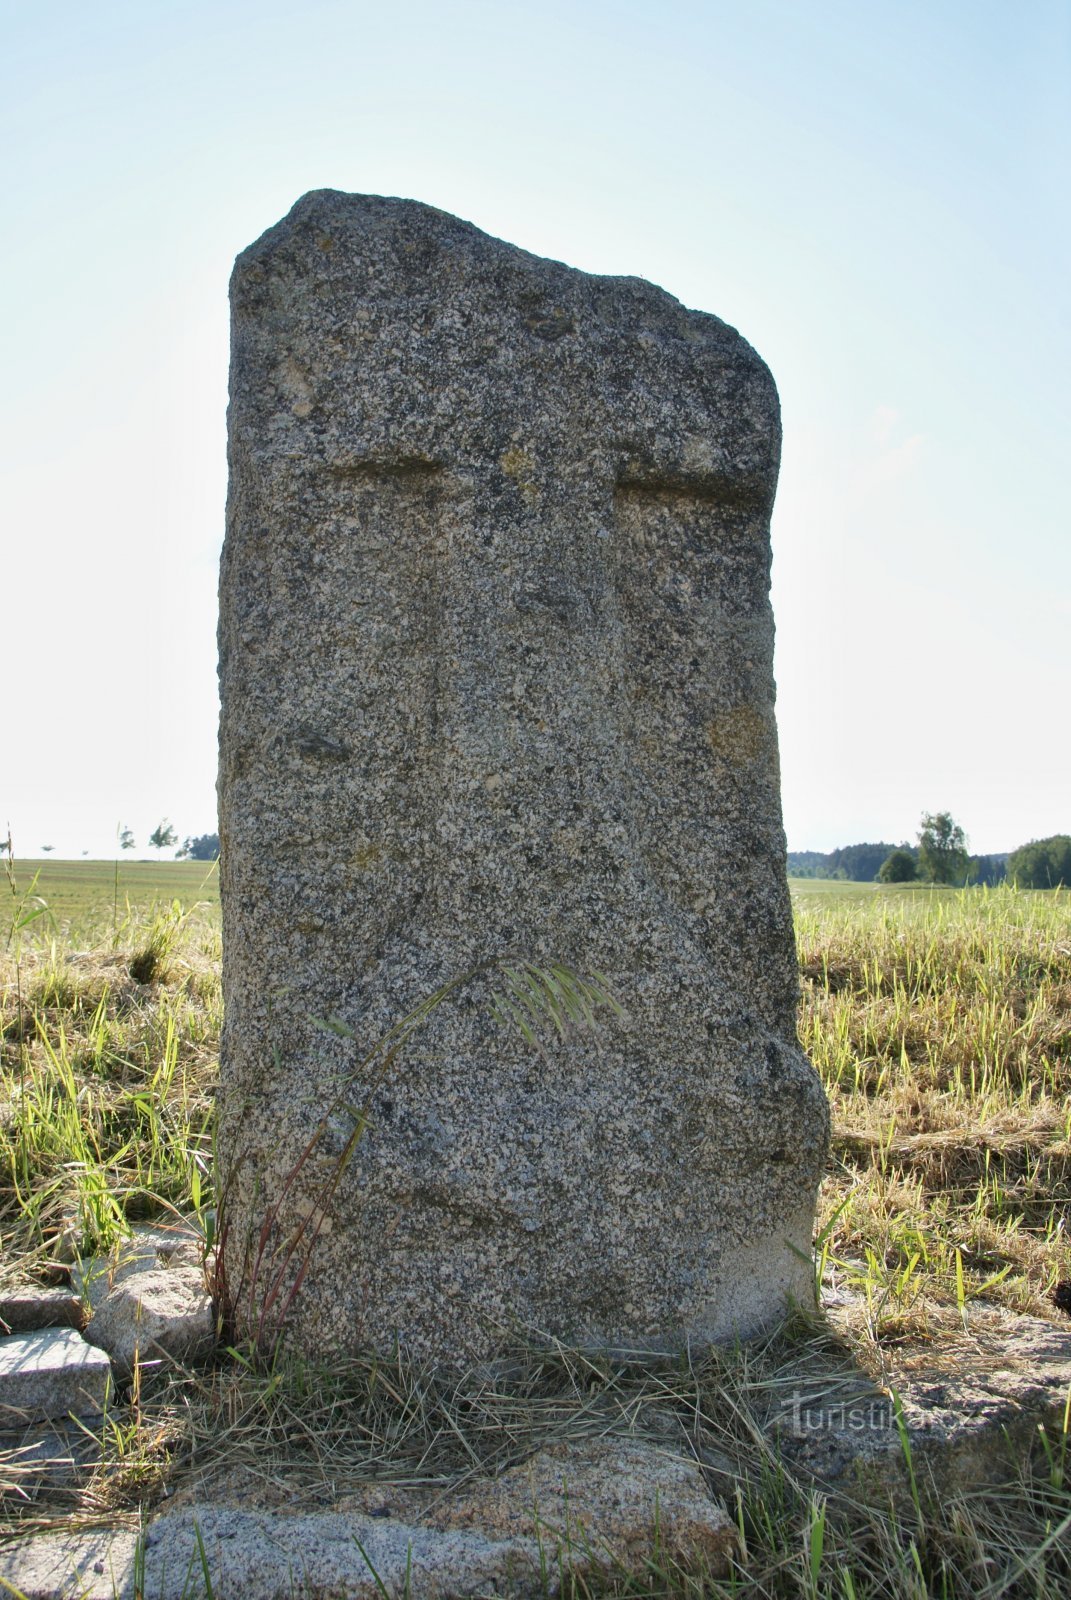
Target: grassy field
x=940 y=1023
x=88 y=897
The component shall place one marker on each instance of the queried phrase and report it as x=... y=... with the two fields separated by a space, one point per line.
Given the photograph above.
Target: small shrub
x=898 y=867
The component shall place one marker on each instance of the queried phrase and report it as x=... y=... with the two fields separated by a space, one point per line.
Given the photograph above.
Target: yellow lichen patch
x=740 y=735
x=519 y=466
x=366 y=854
x=294 y=385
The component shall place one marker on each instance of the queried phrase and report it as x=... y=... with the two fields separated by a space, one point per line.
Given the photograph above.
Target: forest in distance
x=940 y=855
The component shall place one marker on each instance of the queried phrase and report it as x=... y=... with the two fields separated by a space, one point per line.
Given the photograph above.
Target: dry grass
x=942 y=1030
x=300 y=1438
x=107 y=1088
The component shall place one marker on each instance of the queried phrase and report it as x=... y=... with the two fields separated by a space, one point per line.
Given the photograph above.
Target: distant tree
x=163 y=836
x=859 y=862
x=805 y=863
x=898 y=867
x=987 y=870
x=126 y=838
x=47 y=848
x=203 y=848
x=1042 y=864
x=942 y=849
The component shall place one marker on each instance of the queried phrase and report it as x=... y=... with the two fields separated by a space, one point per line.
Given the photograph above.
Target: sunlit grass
x=940 y=1024
x=107 y=1097
x=942 y=1032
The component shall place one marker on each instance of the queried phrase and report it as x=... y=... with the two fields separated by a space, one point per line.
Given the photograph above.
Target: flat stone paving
x=50 y=1374
x=26 y=1309
x=588 y=1509
x=971 y=1404
x=97 y=1564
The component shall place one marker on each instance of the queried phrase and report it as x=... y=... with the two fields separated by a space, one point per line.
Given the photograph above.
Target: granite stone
x=571 y=1516
x=496 y=678
x=51 y=1373
x=31 y=1306
x=971 y=1402
x=161 y=1314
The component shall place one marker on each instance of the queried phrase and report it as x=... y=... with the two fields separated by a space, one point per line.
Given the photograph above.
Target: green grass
x=843 y=889
x=80 y=893
x=940 y=1023
x=839 y=888
x=83 y=896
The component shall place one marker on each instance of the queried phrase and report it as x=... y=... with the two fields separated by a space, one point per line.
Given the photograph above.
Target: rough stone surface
x=612 y=1499
x=495 y=662
x=26 y=1309
x=60 y=1453
x=164 y=1313
x=49 y=1374
x=89 y=1564
x=607 y=1506
x=971 y=1404
x=94 y=1277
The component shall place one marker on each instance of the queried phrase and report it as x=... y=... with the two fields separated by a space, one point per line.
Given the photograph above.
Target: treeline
x=203 y=847
x=198 y=847
x=1042 y=864
x=858 y=863
x=940 y=857
x=863 y=863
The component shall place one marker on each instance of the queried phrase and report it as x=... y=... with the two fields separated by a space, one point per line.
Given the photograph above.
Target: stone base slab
x=51 y=1374
x=606 y=1506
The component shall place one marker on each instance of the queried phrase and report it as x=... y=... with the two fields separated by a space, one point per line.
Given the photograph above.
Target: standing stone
x=495 y=657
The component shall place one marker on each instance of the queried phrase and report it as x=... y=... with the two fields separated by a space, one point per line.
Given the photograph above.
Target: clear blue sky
x=874 y=193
